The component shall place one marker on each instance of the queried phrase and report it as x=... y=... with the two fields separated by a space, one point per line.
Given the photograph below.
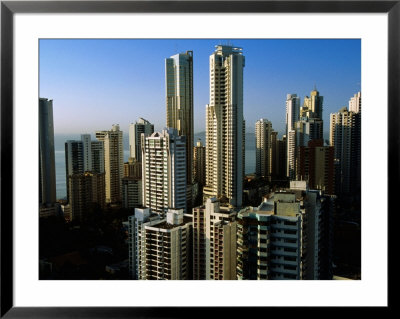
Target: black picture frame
x=9 y=8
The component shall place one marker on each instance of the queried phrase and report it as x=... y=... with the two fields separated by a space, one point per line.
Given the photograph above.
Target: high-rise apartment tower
x=225 y=126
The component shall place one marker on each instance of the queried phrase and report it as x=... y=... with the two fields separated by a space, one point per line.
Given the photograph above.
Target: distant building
x=313 y=105
x=83 y=156
x=164 y=171
x=291 y=154
x=355 y=103
x=345 y=137
x=136 y=129
x=264 y=147
x=292 y=111
x=308 y=129
x=131 y=192
x=214 y=241
x=86 y=194
x=316 y=165
x=113 y=162
x=199 y=164
x=225 y=126
x=47 y=167
x=133 y=168
x=281 y=157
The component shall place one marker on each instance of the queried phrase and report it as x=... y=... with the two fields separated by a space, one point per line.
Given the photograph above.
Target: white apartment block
x=355 y=103
x=291 y=154
x=164 y=171
x=225 y=126
x=292 y=111
x=288 y=236
x=160 y=249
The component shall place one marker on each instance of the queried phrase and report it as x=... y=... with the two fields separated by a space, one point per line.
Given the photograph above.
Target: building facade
x=141 y=126
x=164 y=171
x=47 y=167
x=179 y=101
x=316 y=165
x=225 y=126
x=292 y=116
x=264 y=148
x=86 y=194
x=214 y=241
x=83 y=156
x=289 y=236
x=161 y=248
x=199 y=164
x=113 y=162
x=345 y=137
x=313 y=105
x=132 y=192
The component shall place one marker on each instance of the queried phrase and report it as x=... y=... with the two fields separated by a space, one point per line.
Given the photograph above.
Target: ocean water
x=61 y=186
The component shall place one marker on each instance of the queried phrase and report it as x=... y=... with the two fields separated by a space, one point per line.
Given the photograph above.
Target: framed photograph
x=93 y=57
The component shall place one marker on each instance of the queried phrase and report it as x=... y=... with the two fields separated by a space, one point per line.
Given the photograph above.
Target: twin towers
x=225 y=125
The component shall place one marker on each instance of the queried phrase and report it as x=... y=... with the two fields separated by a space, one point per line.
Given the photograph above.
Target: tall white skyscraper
x=113 y=162
x=292 y=111
x=135 y=131
x=263 y=147
x=47 y=167
x=164 y=171
x=224 y=126
x=292 y=116
x=179 y=101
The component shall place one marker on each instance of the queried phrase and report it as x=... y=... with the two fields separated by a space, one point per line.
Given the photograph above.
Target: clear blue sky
x=97 y=83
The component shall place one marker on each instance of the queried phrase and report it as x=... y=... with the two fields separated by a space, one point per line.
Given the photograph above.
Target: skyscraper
x=292 y=116
x=160 y=248
x=199 y=161
x=314 y=104
x=288 y=236
x=316 y=165
x=225 y=126
x=83 y=156
x=47 y=168
x=214 y=241
x=263 y=147
x=179 y=101
x=86 y=193
x=355 y=103
x=135 y=131
x=113 y=162
x=164 y=171
x=308 y=129
x=345 y=136
x=292 y=111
